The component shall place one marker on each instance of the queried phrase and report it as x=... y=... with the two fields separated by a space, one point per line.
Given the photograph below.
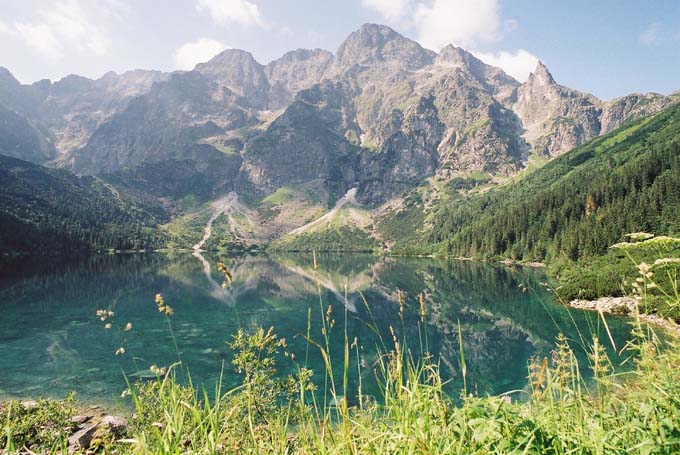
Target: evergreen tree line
x=53 y=211
x=577 y=205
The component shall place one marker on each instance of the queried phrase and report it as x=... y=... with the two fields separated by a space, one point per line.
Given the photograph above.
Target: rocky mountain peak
x=239 y=72
x=379 y=44
x=541 y=76
x=455 y=57
x=226 y=58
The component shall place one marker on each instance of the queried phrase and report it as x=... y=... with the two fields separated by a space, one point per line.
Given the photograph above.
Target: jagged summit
x=541 y=75
x=227 y=57
x=377 y=44
x=455 y=57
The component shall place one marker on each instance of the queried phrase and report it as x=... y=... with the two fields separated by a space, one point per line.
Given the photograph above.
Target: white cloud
x=199 y=51
x=6 y=29
x=66 y=26
x=518 y=64
x=651 y=36
x=460 y=22
x=391 y=10
x=240 y=12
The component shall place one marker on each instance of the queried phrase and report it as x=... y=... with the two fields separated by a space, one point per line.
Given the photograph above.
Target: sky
x=606 y=47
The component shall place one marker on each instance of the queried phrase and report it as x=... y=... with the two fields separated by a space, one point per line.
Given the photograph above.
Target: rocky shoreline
x=625 y=306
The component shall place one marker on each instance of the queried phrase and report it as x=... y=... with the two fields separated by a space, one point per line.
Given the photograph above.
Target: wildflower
x=400 y=299
x=421 y=301
x=104 y=314
x=664 y=261
x=643 y=267
x=162 y=307
x=154 y=369
x=120 y=351
x=128 y=327
x=639 y=236
x=108 y=325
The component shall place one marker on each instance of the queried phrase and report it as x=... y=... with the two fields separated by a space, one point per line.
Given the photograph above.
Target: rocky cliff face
x=311 y=140
x=238 y=71
x=296 y=71
x=20 y=139
x=382 y=114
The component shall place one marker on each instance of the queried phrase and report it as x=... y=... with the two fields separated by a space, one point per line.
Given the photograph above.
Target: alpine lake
x=53 y=342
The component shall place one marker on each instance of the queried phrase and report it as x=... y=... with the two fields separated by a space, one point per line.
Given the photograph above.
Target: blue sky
x=609 y=48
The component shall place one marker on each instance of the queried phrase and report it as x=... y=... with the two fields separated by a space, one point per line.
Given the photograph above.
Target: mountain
x=400 y=127
x=576 y=205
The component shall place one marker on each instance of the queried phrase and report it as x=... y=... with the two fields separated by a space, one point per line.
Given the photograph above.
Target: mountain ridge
x=382 y=114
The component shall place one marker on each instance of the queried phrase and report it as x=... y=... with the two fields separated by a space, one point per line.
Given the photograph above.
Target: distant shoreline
x=625 y=306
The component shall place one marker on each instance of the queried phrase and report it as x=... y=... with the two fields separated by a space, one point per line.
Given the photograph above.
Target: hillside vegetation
x=49 y=211
x=577 y=205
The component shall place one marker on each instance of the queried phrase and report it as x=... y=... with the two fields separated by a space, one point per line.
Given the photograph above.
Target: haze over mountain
x=381 y=116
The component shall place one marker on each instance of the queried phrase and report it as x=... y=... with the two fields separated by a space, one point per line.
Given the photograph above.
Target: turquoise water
x=52 y=341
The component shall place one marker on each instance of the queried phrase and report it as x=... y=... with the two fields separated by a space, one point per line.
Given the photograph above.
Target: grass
x=561 y=411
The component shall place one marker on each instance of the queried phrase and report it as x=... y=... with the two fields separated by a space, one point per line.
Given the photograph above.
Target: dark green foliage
x=578 y=204
x=402 y=228
x=614 y=273
x=341 y=238
x=47 y=210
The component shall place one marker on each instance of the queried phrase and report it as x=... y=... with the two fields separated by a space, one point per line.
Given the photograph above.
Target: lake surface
x=52 y=341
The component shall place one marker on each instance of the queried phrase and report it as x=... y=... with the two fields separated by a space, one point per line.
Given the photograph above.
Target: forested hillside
x=47 y=210
x=578 y=204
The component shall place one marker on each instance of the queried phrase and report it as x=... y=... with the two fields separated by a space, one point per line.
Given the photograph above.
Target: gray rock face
x=382 y=114
x=407 y=156
x=295 y=71
x=174 y=115
x=555 y=118
x=239 y=72
x=620 y=110
x=378 y=45
x=20 y=139
x=311 y=140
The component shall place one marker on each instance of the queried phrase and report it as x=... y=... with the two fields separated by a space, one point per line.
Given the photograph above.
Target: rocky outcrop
x=407 y=156
x=296 y=71
x=240 y=73
x=174 y=115
x=627 y=108
x=378 y=47
x=20 y=139
x=312 y=140
x=555 y=118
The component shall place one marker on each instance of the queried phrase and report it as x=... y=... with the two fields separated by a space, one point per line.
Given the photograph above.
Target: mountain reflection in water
x=52 y=341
